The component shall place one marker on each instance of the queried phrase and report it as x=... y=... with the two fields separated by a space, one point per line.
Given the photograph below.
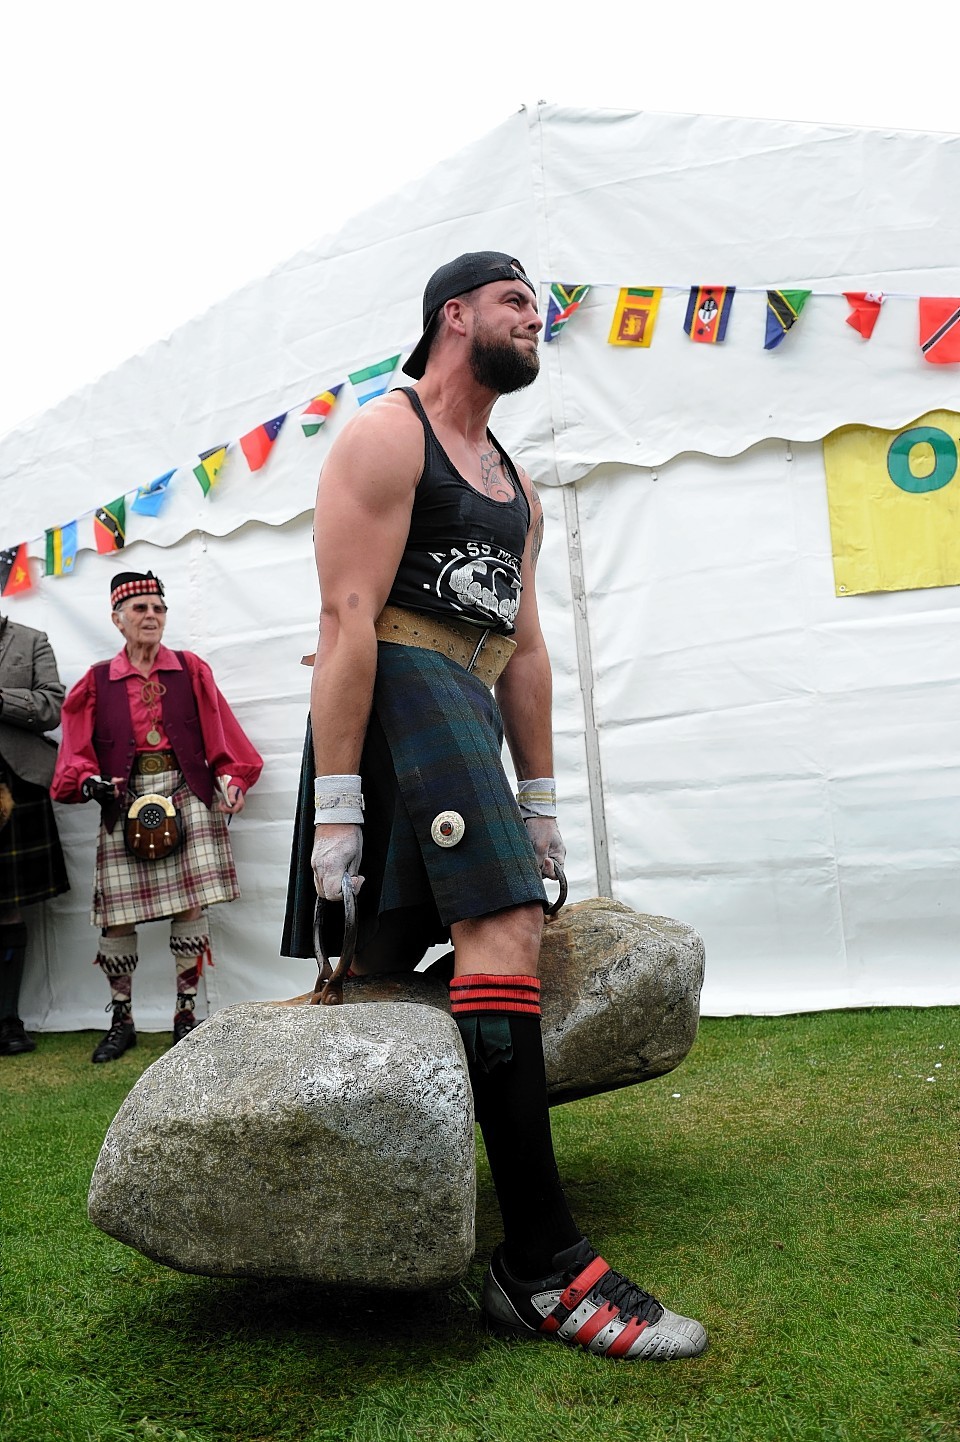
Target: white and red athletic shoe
x=586 y=1304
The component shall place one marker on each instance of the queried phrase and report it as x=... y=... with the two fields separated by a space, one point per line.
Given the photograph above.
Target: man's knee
x=505 y=942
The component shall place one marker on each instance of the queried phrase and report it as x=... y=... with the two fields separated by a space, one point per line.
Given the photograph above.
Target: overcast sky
x=156 y=157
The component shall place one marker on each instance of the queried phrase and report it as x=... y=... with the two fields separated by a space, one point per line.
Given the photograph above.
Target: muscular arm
x=364 y=502
x=525 y=690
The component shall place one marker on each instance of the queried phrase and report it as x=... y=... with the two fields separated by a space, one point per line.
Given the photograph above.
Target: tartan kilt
x=433 y=744
x=32 y=867
x=199 y=873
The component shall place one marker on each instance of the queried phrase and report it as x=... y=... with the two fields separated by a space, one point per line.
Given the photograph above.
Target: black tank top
x=463 y=552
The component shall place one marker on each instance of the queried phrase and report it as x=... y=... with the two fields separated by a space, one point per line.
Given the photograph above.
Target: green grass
x=799 y=1196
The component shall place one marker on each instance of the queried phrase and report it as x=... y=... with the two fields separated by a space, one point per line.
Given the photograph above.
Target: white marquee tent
x=736 y=746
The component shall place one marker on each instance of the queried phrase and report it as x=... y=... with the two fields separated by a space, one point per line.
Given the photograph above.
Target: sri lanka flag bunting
x=635 y=315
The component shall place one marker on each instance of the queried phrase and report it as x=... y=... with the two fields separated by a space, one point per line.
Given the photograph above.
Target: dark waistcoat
x=113 y=738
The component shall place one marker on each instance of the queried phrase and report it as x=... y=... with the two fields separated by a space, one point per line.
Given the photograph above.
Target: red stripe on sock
x=622 y=1344
x=576 y=1290
x=482 y=1007
x=477 y=980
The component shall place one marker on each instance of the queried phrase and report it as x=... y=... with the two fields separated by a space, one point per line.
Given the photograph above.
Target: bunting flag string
x=634 y=320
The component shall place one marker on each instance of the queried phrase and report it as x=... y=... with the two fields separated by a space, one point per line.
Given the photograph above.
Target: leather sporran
x=152 y=828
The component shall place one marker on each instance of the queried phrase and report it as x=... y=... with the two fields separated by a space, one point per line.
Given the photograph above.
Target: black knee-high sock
x=499 y=1021
x=13 y=946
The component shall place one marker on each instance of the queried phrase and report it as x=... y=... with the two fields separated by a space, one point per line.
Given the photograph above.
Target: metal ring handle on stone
x=329 y=989
x=553 y=911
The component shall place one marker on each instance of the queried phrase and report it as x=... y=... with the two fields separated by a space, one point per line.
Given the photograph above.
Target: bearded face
x=499 y=363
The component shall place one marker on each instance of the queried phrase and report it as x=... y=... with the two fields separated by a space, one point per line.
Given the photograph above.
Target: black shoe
x=13 y=1038
x=120 y=1038
x=184 y=1022
x=584 y=1303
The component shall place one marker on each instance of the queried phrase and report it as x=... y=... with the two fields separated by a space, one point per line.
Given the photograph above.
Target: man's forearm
x=525 y=696
x=340 y=698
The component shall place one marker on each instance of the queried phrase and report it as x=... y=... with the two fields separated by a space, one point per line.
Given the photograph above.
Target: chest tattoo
x=493 y=482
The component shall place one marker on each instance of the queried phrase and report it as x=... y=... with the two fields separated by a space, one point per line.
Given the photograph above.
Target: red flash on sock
x=483 y=993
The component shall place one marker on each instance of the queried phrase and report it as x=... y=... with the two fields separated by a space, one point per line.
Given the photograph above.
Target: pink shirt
x=225 y=744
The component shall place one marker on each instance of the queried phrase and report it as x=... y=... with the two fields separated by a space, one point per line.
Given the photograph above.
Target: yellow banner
x=894 y=499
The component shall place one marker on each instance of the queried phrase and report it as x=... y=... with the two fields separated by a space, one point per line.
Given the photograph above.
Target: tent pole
x=581 y=627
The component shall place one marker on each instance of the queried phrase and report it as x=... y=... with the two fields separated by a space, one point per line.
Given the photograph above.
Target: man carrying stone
x=426 y=536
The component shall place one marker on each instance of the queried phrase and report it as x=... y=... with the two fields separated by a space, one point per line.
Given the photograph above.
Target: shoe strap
x=575 y=1291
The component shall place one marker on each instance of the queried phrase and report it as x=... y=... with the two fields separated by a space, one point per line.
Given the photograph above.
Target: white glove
x=544 y=834
x=336 y=849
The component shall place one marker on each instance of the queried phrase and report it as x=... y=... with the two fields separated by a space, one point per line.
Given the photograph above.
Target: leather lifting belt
x=483 y=653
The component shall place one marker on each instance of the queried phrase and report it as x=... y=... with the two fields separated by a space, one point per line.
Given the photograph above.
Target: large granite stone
x=330 y=1144
x=620 y=993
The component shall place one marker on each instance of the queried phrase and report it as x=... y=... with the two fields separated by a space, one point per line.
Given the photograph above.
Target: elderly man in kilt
x=152 y=722
x=31 y=861
x=426 y=536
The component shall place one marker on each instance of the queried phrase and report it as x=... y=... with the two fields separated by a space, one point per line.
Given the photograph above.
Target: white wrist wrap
x=337 y=801
x=537 y=798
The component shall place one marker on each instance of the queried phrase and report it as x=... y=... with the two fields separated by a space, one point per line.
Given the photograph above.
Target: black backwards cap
x=133 y=583
x=468 y=272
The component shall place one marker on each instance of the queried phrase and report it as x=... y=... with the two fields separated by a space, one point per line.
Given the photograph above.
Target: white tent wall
x=768 y=762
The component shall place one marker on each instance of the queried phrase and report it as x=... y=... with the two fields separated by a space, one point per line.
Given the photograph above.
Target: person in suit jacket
x=31 y=860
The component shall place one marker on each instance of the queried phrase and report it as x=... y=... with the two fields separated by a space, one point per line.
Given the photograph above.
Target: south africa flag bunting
x=209 y=468
x=14 y=570
x=313 y=417
x=783 y=309
x=61 y=550
x=372 y=381
x=940 y=328
x=564 y=301
x=110 y=525
x=708 y=311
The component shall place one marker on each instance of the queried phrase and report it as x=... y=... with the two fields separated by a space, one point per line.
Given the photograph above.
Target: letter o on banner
x=944 y=459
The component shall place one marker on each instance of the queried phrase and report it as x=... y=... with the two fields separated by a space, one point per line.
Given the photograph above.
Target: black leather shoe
x=183 y=1023
x=13 y=1038
x=120 y=1038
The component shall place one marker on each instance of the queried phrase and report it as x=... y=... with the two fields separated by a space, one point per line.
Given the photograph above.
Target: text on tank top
x=464 y=550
